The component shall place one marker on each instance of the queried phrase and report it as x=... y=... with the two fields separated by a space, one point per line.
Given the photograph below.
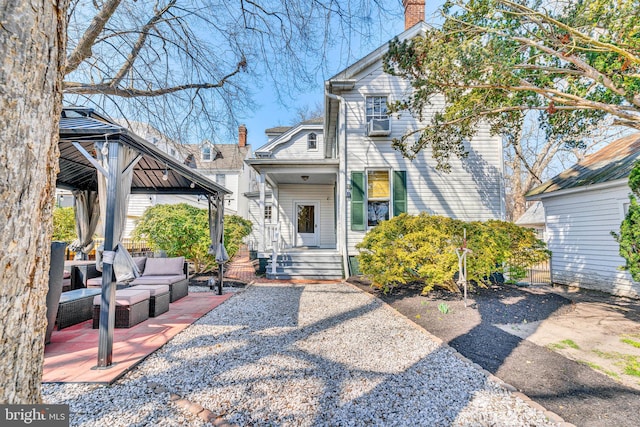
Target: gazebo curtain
x=216 y=229
x=87 y=214
x=123 y=266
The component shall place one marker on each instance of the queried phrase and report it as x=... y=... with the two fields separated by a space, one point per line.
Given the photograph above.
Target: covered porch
x=296 y=217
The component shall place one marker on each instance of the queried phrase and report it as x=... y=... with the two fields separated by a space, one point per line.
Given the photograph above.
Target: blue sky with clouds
x=269 y=112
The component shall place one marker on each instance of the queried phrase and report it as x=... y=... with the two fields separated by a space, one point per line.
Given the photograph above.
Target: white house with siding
x=222 y=163
x=582 y=206
x=332 y=180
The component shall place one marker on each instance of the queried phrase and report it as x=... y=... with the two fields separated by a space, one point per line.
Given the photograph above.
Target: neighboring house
x=583 y=205
x=224 y=164
x=533 y=217
x=331 y=180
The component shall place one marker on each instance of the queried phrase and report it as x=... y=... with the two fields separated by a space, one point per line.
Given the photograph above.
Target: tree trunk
x=32 y=42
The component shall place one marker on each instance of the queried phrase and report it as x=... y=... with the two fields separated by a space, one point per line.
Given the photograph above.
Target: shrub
x=629 y=237
x=64 y=224
x=236 y=229
x=422 y=249
x=183 y=230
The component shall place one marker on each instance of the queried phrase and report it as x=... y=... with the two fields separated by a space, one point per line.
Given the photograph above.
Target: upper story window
x=378 y=196
x=221 y=179
x=377 y=118
x=312 y=141
x=267 y=213
x=206 y=153
x=172 y=151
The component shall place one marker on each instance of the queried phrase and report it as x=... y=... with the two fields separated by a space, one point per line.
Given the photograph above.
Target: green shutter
x=399 y=192
x=357 y=201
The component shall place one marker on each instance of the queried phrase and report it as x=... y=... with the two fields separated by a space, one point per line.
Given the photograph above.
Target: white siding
x=255 y=237
x=471 y=191
x=296 y=147
x=231 y=183
x=288 y=195
x=584 y=253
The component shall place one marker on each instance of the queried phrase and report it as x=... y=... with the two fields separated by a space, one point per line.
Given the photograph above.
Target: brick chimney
x=242 y=136
x=413 y=12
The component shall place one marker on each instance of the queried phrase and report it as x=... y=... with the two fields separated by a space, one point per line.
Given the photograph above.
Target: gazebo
x=103 y=161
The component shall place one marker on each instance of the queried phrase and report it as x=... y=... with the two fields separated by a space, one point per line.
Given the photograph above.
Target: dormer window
x=206 y=153
x=377 y=118
x=312 y=141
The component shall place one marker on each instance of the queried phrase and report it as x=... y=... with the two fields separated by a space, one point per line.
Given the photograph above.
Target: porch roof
x=264 y=165
x=297 y=171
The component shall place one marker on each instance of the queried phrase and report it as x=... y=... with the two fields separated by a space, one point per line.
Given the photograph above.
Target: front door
x=307 y=223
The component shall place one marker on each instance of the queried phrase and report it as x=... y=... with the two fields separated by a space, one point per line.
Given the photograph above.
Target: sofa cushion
x=158 y=280
x=126 y=297
x=140 y=263
x=163 y=266
x=153 y=289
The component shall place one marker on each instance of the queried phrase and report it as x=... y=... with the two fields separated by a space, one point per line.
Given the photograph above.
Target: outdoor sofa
x=172 y=272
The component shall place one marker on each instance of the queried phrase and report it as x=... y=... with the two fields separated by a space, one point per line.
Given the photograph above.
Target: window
x=221 y=179
x=377 y=118
x=378 y=196
x=206 y=153
x=172 y=151
x=267 y=213
x=312 y=141
x=376 y=108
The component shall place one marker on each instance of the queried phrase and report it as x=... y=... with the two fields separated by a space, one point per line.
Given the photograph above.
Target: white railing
x=270 y=239
x=272 y=242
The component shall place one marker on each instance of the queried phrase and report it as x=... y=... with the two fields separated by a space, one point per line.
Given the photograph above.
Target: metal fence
x=538 y=274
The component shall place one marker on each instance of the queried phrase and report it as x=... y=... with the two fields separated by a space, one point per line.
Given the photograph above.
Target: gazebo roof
x=84 y=127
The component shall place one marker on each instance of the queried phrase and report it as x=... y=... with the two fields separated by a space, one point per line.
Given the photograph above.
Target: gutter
x=342 y=170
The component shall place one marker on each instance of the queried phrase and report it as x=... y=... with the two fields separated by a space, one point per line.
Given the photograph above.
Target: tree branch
x=82 y=50
x=137 y=47
x=607 y=46
x=108 y=89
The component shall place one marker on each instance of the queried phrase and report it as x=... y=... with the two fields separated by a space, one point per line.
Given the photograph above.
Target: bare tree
x=308 y=112
x=175 y=65
x=190 y=68
x=532 y=157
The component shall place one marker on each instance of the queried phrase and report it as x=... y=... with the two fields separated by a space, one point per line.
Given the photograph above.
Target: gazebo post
x=107 y=304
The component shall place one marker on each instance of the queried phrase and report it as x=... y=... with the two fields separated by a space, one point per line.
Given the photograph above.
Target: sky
x=268 y=113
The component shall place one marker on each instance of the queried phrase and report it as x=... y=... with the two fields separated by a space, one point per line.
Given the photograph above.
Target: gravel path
x=300 y=355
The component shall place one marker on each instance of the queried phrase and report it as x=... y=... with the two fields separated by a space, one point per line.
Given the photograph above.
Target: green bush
x=422 y=248
x=236 y=228
x=629 y=237
x=64 y=224
x=183 y=230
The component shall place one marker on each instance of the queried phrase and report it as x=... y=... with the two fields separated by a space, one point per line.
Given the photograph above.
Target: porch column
x=261 y=204
x=339 y=206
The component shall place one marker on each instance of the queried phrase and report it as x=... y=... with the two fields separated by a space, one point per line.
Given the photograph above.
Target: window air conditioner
x=379 y=127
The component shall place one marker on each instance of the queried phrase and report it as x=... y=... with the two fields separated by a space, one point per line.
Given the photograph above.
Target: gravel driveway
x=300 y=355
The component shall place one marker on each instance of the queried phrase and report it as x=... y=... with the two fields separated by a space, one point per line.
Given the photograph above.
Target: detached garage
x=582 y=206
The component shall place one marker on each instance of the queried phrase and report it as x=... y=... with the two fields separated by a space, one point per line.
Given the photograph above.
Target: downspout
x=342 y=170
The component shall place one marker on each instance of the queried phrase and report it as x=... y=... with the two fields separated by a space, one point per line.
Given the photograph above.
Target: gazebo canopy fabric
x=84 y=127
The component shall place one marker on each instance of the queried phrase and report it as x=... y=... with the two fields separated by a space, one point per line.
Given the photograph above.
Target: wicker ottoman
x=158 y=299
x=75 y=307
x=132 y=307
